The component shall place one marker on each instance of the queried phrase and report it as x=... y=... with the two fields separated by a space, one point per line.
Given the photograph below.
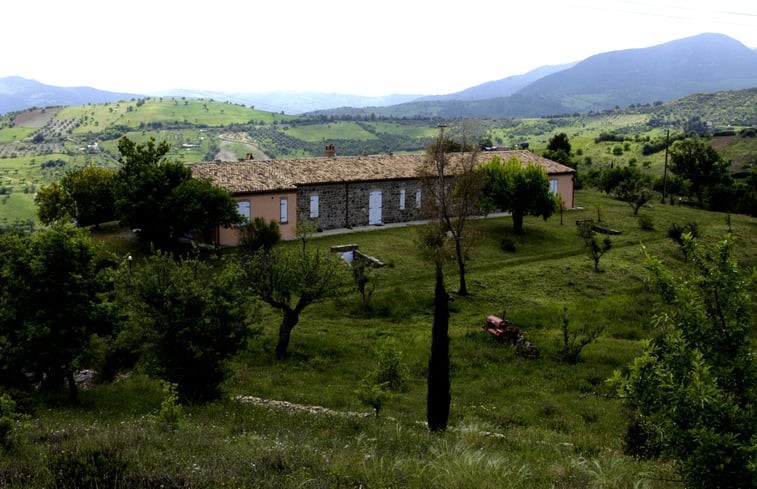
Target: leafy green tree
x=700 y=164
x=198 y=206
x=92 y=191
x=144 y=185
x=49 y=290
x=53 y=204
x=520 y=190
x=748 y=198
x=558 y=149
x=160 y=198
x=290 y=280
x=694 y=387
x=635 y=190
x=190 y=317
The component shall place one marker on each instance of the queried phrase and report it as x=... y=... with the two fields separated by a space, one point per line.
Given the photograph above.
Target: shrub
x=388 y=377
x=573 y=341
x=365 y=278
x=646 y=222
x=259 y=235
x=391 y=368
x=508 y=245
x=170 y=409
x=677 y=234
x=8 y=416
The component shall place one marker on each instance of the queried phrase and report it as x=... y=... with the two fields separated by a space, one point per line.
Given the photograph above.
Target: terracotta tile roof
x=272 y=175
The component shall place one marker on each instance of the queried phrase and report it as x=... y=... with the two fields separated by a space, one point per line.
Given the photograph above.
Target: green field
x=336 y=130
x=10 y=134
x=515 y=422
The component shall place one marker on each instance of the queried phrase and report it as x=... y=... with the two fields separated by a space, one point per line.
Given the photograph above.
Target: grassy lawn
x=515 y=422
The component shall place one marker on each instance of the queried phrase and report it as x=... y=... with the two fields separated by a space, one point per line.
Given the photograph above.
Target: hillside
x=38 y=146
x=499 y=88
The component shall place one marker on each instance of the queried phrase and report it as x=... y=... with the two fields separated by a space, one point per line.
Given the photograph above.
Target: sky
x=354 y=47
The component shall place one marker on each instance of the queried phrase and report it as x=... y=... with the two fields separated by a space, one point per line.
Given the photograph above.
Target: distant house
x=342 y=191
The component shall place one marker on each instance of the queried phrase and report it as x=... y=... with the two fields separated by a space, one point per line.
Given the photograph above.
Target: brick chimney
x=330 y=151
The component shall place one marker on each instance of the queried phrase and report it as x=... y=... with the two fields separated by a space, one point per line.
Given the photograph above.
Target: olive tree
x=290 y=279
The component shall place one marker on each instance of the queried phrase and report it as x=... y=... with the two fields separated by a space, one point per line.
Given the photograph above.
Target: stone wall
x=346 y=204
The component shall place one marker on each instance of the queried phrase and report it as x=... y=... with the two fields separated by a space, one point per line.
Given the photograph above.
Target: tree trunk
x=290 y=320
x=438 y=398
x=463 y=290
x=517 y=222
x=73 y=390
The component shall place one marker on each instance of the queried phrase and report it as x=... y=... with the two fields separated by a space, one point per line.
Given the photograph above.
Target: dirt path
x=303 y=408
x=228 y=153
x=293 y=407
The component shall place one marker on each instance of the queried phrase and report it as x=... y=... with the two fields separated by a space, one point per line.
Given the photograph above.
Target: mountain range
x=18 y=93
x=703 y=63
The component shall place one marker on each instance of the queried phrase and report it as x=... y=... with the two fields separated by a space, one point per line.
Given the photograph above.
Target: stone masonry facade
x=346 y=204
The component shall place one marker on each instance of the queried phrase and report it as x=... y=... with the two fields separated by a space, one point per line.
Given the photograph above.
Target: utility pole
x=441 y=163
x=665 y=171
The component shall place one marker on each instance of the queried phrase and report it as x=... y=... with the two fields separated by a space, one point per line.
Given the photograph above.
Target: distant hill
x=704 y=63
x=291 y=102
x=500 y=88
x=18 y=93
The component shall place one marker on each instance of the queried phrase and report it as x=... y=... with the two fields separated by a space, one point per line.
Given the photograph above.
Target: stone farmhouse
x=343 y=191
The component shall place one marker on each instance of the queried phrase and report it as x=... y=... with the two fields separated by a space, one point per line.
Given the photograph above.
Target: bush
x=573 y=341
x=8 y=417
x=191 y=317
x=646 y=222
x=677 y=233
x=259 y=235
x=508 y=245
x=391 y=369
x=388 y=377
x=170 y=409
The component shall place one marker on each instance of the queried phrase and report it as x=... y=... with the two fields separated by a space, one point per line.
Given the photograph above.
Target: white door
x=314 y=205
x=374 y=208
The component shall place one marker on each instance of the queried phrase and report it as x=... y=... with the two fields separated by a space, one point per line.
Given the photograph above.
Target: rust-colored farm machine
x=505 y=332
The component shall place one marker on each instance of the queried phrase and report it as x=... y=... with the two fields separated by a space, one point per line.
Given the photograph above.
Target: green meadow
x=514 y=422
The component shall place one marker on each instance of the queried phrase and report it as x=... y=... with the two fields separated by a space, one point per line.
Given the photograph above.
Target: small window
x=553 y=186
x=284 y=211
x=243 y=209
x=314 y=205
x=402 y=198
x=418 y=199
